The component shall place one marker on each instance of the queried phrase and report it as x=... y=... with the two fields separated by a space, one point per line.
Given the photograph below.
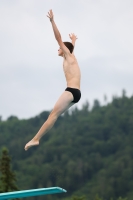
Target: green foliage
x=78 y=198
x=120 y=198
x=87 y=152
x=8 y=177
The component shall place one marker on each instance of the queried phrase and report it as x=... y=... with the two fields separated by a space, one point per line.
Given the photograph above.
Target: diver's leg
x=63 y=104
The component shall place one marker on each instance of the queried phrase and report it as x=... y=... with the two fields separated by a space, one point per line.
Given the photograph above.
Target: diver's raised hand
x=73 y=37
x=50 y=15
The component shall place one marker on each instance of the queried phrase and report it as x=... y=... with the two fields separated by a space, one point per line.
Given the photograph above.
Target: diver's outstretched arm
x=57 y=33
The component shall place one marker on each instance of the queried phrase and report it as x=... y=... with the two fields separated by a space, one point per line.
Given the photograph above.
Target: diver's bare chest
x=68 y=67
x=68 y=63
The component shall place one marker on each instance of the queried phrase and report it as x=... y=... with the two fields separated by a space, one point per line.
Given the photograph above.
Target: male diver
x=72 y=93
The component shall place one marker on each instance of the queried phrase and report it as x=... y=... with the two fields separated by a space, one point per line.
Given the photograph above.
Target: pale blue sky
x=31 y=75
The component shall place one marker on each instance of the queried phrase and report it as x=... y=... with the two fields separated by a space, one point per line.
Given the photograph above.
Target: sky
x=31 y=72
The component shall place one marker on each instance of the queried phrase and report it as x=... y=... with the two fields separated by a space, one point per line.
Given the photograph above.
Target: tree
x=85 y=106
x=120 y=198
x=11 y=118
x=78 y=198
x=96 y=104
x=123 y=93
x=105 y=98
x=8 y=177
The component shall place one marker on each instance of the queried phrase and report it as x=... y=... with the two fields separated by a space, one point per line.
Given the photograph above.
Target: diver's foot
x=31 y=143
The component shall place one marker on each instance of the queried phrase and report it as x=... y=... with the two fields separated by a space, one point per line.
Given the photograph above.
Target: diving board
x=30 y=193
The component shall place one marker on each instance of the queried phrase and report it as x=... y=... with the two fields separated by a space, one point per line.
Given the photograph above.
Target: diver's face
x=60 y=52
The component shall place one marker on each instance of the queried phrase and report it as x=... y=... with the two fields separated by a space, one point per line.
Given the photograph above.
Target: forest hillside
x=88 y=151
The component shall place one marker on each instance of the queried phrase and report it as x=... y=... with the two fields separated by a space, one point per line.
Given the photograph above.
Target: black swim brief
x=75 y=92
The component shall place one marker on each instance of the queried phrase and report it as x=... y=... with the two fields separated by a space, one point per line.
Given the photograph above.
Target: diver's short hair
x=69 y=45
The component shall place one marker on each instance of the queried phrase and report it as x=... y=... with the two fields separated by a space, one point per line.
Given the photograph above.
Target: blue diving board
x=30 y=193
